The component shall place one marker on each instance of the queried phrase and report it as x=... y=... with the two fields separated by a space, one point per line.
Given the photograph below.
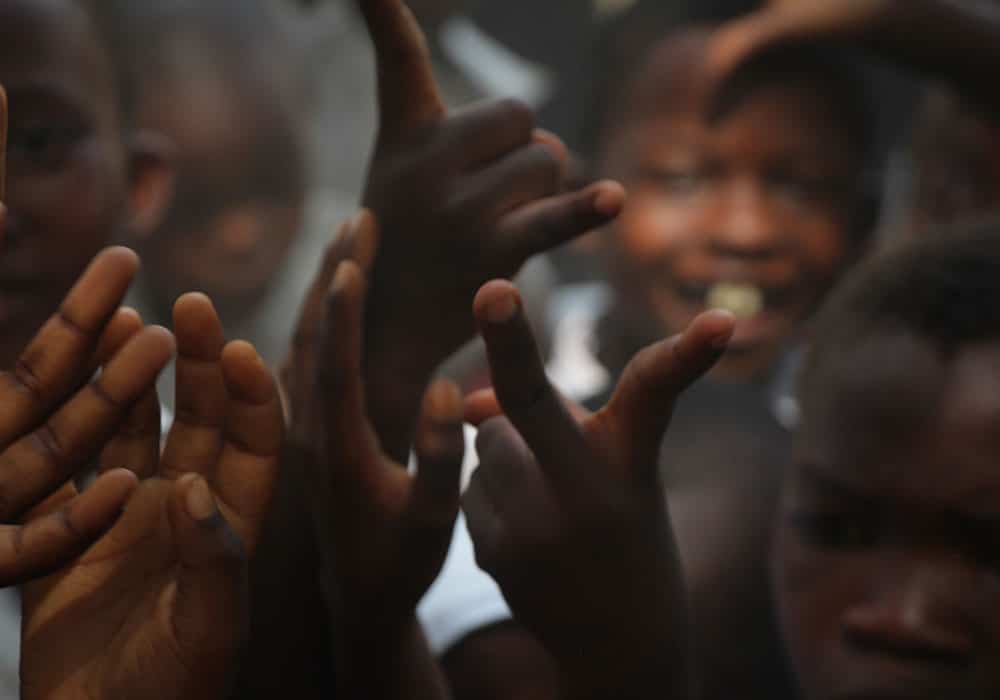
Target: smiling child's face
x=751 y=212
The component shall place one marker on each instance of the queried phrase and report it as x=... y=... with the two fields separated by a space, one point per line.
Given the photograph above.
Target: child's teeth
x=742 y=300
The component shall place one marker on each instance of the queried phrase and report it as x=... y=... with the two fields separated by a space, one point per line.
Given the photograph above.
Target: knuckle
x=50 y=445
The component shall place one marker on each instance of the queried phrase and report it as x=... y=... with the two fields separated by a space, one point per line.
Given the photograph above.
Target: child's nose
x=241 y=232
x=917 y=616
x=747 y=225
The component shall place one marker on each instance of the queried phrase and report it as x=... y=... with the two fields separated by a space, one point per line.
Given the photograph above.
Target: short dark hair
x=944 y=290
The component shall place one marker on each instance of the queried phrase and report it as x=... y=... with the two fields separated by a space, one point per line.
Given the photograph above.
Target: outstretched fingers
x=352 y=447
x=254 y=432
x=548 y=223
x=68 y=441
x=525 y=393
x=60 y=356
x=643 y=402
x=440 y=449
x=57 y=536
x=195 y=440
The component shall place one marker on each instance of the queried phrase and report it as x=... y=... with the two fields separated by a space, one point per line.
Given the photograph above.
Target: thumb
x=211 y=606
x=440 y=448
x=640 y=409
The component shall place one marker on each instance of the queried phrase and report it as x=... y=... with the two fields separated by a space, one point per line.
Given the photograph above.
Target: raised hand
x=156 y=608
x=784 y=21
x=56 y=418
x=568 y=513
x=460 y=199
x=949 y=39
x=384 y=533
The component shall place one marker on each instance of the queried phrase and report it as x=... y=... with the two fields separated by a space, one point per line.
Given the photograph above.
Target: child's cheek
x=651 y=228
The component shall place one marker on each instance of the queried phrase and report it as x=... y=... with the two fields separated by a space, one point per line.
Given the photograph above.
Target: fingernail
x=341 y=278
x=200 y=502
x=502 y=310
x=721 y=340
x=607 y=202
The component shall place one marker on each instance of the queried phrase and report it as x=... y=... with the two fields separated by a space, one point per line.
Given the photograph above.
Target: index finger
x=525 y=393
x=407 y=92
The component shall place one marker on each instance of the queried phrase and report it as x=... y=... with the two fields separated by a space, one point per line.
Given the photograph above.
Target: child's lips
x=761 y=310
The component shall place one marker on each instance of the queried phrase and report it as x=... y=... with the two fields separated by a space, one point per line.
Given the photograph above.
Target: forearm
x=388 y=664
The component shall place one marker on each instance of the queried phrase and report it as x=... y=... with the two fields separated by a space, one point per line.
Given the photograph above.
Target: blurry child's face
x=240 y=190
x=887 y=559
x=956 y=171
x=750 y=214
x=67 y=174
x=73 y=184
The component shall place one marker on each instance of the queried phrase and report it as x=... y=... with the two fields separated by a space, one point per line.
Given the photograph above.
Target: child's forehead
x=897 y=413
x=52 y=41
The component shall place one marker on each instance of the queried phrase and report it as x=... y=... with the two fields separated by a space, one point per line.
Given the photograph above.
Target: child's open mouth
x=745 y=300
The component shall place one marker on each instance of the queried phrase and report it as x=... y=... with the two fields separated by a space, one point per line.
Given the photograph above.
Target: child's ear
x=151 y=182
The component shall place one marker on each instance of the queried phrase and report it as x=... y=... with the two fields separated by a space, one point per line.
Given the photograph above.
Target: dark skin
x=885 y=562
x=737 y=201
x=956 y=157
x=734 y=200
x=74 y=183
x=374 y=582
x=157 y=607
x=52 y=429
x=460 y=199
x=557 y=487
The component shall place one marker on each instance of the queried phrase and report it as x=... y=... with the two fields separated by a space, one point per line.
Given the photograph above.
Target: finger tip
x=346 y=278
x=497 y=302
x=124 y=479
x=199 y=503
x=164 y=337
x=718 y=325
x=119 y=255
x=608 y=198
x=246 y=372
x=193 y=300
x=444 y=402
x=553 y=143
x=480 y=406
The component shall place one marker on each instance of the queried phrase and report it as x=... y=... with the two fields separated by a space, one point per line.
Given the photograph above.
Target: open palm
x=156 y=608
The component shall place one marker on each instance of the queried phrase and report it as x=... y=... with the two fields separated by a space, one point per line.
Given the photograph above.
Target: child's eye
x=835 y=530
x=41 y=146
x=682 y=181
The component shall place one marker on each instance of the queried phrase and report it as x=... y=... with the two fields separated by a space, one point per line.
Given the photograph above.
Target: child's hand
x=568 y=514
x=386 y=532
x=787 y=21
x=460 y=199
x=156 y=608
x=51 y=429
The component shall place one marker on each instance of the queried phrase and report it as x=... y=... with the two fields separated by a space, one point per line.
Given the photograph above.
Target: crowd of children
x=754 y=457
